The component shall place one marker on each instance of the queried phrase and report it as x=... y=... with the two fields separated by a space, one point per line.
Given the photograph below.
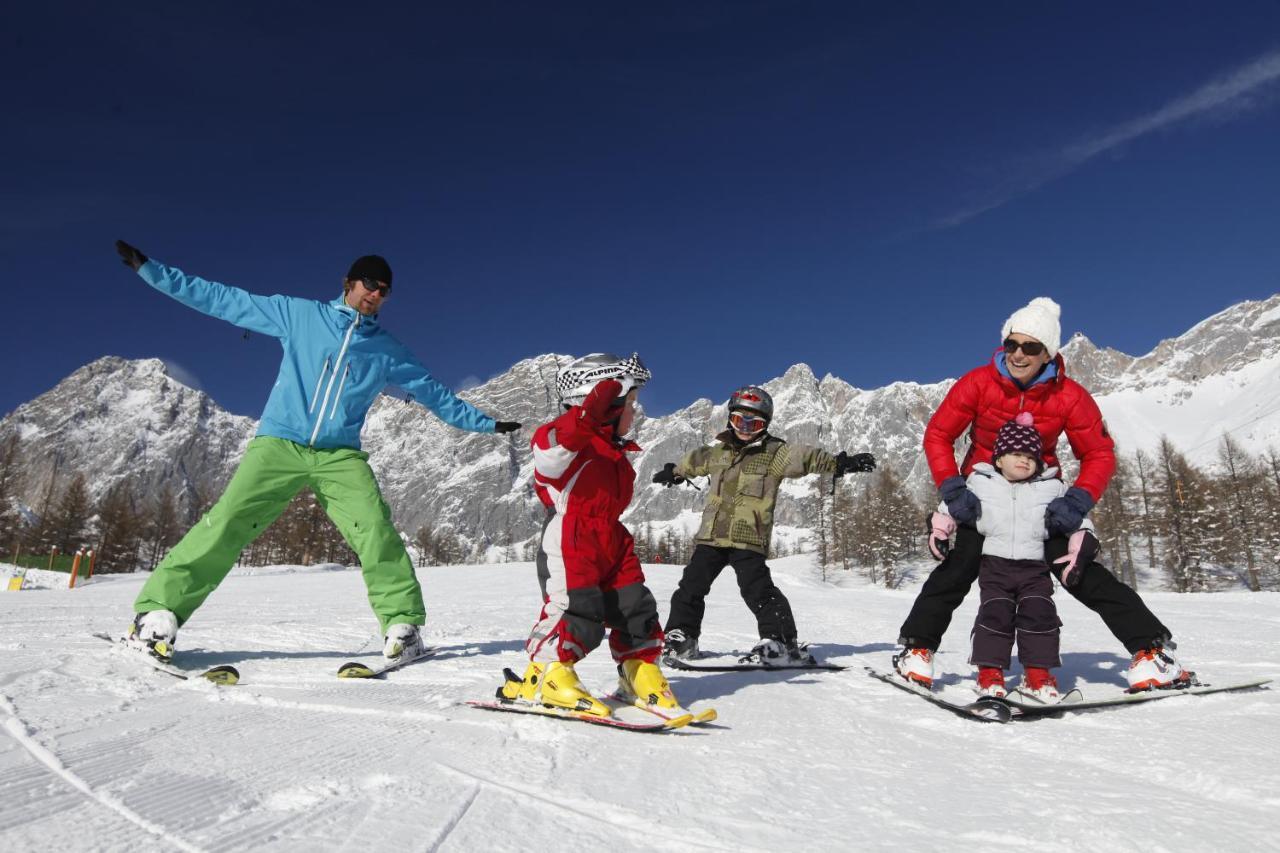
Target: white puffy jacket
x=1012 y=517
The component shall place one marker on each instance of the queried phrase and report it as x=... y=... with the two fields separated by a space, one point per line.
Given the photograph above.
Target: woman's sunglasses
x=1029 y=347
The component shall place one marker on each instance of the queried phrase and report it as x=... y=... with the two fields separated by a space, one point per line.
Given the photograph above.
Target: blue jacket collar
x=1049 y=373
x=367 y=324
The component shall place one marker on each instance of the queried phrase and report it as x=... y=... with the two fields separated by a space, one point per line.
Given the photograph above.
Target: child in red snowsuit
x=590 y=577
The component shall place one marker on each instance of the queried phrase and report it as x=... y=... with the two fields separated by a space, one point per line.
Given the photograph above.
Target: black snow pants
x=772 y=610
x=1017 y=602
x=1123 y=611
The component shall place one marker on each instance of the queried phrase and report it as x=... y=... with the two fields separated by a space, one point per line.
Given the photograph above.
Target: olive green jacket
x=744 y=486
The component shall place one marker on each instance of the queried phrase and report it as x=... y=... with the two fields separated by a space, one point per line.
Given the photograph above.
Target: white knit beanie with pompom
x=1038 y=319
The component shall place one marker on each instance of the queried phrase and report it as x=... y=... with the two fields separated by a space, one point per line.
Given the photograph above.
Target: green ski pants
x=272 y=471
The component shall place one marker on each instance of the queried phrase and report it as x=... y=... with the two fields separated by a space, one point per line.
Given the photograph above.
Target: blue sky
x=728 y=188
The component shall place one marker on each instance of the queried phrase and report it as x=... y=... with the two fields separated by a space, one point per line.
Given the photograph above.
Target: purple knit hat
x=1019 y=435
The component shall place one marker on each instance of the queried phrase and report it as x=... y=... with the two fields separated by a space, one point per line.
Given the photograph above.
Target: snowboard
x=686 y=666
x=985 y=709
x=623 y=718
x=224 y=674
x=356 y=669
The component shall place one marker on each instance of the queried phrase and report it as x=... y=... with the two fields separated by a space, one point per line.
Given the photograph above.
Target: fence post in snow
x=75 y=568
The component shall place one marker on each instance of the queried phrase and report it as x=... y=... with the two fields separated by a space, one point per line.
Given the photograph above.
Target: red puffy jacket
x=984 y=400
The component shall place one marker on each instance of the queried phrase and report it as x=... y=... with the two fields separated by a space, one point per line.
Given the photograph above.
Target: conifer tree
x=120 y=531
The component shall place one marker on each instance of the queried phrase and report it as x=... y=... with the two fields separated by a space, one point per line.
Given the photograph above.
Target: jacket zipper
x=315 y=395
x=346 y=371
x=324 y=404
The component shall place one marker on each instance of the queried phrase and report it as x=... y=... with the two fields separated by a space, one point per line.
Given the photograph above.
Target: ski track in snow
x=103 y=753
x=19 y=731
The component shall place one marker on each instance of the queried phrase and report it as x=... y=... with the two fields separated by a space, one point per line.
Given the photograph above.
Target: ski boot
x=555 y=685
x=991 y=682
x=1039 y=684
x=522 y=689
x=402 y=642
x=680 y=646
x=771 y=652
x=643 y=684
x=1156 y=668
x=915 y=665
x=562 y=689
x=155 y=633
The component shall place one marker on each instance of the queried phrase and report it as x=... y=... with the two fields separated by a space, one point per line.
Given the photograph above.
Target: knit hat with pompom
x=1019 y=436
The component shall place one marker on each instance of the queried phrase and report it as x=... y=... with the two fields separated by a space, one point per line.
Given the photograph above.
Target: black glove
x=1063 y=516
x=506 y=426
x=668 y=476
x=962 y=504
x=129 y=256
x=855 y=464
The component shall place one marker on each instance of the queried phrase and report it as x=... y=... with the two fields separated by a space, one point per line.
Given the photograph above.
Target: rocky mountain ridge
x=115 y=419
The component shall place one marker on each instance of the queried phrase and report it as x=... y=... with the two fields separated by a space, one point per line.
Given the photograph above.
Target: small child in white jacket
x=1014 y=578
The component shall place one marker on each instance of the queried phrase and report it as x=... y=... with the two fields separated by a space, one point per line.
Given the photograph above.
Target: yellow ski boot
x=642 y=684
x=524 y=689
x=560 y=688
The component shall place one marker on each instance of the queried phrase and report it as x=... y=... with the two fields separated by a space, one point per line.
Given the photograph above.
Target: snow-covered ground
x=100 y=753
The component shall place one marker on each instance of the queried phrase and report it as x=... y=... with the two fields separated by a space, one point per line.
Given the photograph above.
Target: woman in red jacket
x=1027 y=374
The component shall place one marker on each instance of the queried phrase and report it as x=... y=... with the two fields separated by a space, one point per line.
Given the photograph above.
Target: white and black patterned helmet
x=752 y=398
x=575 y=381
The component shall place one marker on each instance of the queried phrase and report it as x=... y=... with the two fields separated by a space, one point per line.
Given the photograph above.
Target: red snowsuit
x=587 y=565
x=984 y=399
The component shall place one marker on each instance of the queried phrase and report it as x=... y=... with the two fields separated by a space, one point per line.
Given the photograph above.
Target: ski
x=698 y=716
x=640 y=721
x=224 y=674
x=356 y=669
x=986 y=709
x=1030 y=711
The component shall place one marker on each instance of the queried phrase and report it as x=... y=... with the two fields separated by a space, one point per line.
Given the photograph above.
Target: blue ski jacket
x=336 y=361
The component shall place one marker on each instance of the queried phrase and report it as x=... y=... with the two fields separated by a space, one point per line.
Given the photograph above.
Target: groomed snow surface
x=99 y=752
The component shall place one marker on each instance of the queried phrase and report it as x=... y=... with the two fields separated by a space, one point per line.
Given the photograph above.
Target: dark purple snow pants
x=1017 y=597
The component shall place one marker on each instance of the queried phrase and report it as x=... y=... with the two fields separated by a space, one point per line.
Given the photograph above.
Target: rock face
x=116 y=419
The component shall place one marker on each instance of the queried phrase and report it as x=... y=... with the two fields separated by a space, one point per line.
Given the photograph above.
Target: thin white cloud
x=181 y=374
x=1224 y=97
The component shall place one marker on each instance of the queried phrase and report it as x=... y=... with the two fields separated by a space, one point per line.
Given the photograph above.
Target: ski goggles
x=375 y=286
x=1032 y=348
x=746 y=424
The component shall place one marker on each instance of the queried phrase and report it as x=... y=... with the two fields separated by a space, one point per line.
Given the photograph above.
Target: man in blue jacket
x=337 y=359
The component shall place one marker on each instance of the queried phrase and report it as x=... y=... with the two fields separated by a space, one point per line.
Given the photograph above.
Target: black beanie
x=371 y=266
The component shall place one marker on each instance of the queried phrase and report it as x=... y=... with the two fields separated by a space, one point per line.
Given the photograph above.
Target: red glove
x=596 y=406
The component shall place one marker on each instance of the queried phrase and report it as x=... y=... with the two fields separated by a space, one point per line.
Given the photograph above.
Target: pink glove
x=1082 y=548
x=941 y=529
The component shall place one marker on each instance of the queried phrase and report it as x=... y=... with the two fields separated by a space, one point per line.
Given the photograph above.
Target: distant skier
x=590 y=577
x=1017 y=594
x=336 y=361
x=1028 y=374
x=746 y=465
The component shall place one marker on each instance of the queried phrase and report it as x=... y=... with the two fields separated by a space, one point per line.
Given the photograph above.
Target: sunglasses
x=1028 y=347
x=374 y=286
x=746 y=424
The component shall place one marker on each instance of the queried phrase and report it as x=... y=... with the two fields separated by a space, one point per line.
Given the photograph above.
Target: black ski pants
x=1120 y=607
x=688 y=602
